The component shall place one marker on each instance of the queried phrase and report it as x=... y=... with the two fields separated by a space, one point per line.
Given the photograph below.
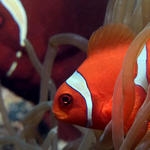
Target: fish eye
x=65 y=99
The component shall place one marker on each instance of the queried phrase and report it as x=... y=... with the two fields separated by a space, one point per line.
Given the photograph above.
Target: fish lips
x=60 y=115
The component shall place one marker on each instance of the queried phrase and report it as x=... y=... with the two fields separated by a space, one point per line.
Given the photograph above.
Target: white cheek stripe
x=18 y=13
x=141 y=78
x=78 y=83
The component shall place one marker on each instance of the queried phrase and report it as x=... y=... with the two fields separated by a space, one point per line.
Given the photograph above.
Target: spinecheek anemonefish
x=85 y=98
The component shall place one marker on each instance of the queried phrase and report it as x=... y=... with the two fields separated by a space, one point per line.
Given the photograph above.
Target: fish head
x=69 y=106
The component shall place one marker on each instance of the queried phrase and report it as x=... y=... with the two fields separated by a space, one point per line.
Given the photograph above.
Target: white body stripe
x=17 y=11
x=77 y=82
x=12 y=68
x=141 y=78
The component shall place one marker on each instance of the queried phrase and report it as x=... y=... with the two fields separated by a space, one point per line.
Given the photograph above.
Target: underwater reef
x=41 y=53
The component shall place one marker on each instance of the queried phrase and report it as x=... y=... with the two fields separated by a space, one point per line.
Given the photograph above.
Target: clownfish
x=85 y=98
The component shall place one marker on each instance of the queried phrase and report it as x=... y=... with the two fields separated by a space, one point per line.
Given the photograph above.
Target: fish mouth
x=60 y=115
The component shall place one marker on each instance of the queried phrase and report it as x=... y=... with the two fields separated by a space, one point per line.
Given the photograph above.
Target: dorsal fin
x=109 y=36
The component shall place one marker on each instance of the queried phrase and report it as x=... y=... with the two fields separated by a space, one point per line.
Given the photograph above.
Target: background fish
x=86 y=97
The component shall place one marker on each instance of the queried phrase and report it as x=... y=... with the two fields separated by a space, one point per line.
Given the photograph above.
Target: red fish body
x=86 y=97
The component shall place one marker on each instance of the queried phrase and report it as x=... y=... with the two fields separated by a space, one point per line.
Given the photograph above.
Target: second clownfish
x=85 y=98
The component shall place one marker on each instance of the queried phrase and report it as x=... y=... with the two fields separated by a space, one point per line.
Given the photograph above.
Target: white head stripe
x=18 y=13
x=141 y=78
x=77 y=82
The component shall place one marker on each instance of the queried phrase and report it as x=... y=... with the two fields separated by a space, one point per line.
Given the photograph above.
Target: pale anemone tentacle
x=128 y=91
x=145 y=11
x=105 y=141
x=137 y=24
x=46 y=81
x=19 y=144
x=51 y=140
x=144 y=143
x=69 y=39
x=4 y=115
x=109 y=11
x=78 y=83
x=125 y=11
x=39 y=109
x=117 y=114
x=129 y=11
x=139 y=127
x=88 y=140
x=33 y=118
x=18 y=13
x=119 y=6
